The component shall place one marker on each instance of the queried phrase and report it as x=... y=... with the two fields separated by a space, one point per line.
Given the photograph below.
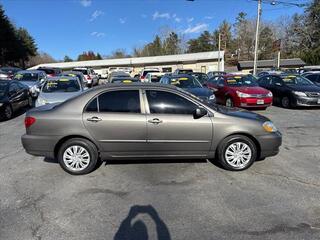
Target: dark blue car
x=191 y=85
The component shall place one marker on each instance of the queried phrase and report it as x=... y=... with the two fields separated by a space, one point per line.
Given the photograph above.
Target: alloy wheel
x=8 y=112
x=76 y=158
x=238 y=155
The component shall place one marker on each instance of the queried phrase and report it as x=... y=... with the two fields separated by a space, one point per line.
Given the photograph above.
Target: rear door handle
x=94 y=119
x=155 y=121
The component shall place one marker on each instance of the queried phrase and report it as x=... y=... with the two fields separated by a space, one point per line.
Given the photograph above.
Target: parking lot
x=277 y=198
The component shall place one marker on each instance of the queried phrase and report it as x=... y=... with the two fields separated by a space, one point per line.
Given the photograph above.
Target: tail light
x=28 y=121
x=88 y=77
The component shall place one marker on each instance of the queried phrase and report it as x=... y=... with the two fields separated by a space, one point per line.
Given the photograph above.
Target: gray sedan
x=130 y=121
x=59 y=89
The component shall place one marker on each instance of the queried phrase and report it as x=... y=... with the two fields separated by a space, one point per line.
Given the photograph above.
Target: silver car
x=59 y=89
x=33 y=79
x=145 y=121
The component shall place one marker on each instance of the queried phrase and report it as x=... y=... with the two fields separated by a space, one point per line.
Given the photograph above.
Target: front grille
x=258 y=95
x=313 y=94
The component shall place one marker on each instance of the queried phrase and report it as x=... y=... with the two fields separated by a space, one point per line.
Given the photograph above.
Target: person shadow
x=138 y=230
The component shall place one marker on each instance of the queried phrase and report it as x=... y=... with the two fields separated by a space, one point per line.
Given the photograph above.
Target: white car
x=145 y=71
x=59 y=89
x=154 y=77
x=91 y=77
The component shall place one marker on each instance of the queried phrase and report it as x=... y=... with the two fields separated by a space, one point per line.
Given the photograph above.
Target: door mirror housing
x=199 y=113
x=278 y=84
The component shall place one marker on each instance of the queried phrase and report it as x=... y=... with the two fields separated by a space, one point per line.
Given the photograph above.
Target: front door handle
x=94 y=119
x=155 y=121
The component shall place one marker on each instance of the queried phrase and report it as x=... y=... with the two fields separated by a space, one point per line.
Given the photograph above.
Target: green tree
x=67 y=59
x=266 y=39
x=204 y=43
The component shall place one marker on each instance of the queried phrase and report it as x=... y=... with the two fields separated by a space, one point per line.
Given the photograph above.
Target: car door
x=277 y=88
x=116 y=120
x=171 y=128
x=24 y=91
x=220 y=90
x=15 y=96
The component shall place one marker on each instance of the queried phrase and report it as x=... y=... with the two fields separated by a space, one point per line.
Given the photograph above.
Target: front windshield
x=186 y=82
x=242 y=81
x=61 y=85
x=3 y=88
x=26 y=77
x=296 y=80
x=201 y=77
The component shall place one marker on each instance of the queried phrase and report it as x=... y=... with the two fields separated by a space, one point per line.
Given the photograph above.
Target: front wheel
x=78 y=156
x=285 y=102
x=237 y=152
x=7 y=112
x=229 y=102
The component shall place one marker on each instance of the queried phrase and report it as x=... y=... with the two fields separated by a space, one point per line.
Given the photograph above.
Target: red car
x=240 y=91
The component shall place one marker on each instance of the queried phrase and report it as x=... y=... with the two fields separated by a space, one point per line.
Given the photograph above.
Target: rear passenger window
x=120 y=101
x=92 y=106
x=161 y=102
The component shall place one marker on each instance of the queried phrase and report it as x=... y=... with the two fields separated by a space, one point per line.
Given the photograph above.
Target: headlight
x=212 y=97
x=269 y=94
x=1 y=104
x=41 y=101
x=269 y=126
x=300 y=94
x=34 y=89
x=243 y=95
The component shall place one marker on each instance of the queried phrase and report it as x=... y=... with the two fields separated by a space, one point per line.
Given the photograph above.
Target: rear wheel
x=229 y=102
x=78 y=156
x=237 y=152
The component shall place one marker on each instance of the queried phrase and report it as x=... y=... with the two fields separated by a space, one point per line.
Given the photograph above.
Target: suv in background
x=89 y=74
x=51 y=72
x=182 y=71
x=145 y=71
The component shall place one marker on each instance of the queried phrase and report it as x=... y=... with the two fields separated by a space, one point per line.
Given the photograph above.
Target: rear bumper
x=39 y=145
x=270 y=144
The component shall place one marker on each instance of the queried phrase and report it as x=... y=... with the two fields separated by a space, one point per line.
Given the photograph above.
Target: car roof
x=72 y=72
x=60 y=77
x=181 y=75
x=137 y=85
x=44 y=67
x=30 y=71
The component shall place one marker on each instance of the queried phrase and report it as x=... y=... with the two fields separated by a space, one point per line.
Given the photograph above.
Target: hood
x=58 y=96
x=199 y=92
x=3 y=99
x=251 y=90
x=241 y=113
x=307 y=88
x=29 y=83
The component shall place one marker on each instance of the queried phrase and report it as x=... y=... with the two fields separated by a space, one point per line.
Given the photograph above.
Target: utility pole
x=219 y=49
x=257 y=39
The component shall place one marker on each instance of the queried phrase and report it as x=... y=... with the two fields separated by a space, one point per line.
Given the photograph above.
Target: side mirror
x=41 y=80
x=199 y=113
x=278 y=84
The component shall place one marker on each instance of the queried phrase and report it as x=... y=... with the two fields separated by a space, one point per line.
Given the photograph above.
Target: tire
x=285 y=102
x=233 y=142
x=74 y=145
x=7 y=112
x=229 y=102
x=30 y=102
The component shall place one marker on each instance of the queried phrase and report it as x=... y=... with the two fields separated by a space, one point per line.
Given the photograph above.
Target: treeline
x=299 y=34
x=16 y=44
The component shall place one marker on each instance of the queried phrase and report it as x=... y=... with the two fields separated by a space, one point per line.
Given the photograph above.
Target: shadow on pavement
x=137 y=230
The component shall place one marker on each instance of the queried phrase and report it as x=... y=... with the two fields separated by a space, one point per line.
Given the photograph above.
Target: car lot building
x=200 y=62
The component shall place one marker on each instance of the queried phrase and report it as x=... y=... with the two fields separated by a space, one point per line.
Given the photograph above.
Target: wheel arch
x=248 y=135
x=66 y=138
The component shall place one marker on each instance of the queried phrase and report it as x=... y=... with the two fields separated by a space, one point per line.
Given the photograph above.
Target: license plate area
x=260 y=101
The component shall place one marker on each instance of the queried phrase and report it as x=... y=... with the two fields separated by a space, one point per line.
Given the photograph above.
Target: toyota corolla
x=145 y=121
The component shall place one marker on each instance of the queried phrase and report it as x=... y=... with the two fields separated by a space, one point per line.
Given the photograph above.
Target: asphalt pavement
x=277 y=198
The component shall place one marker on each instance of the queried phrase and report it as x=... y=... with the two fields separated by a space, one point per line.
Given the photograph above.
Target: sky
x=69 y=27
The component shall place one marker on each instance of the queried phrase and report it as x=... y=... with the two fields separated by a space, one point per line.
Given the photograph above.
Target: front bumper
x=255 y=102
x=39 y=145
x=269 y=144
x=307 y=101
